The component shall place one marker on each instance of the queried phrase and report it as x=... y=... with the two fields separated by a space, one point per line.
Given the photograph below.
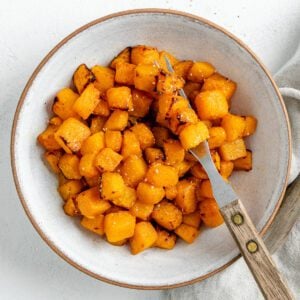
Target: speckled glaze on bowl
x=188 y=37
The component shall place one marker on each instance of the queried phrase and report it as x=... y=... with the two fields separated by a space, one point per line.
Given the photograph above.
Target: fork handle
x=255 y=252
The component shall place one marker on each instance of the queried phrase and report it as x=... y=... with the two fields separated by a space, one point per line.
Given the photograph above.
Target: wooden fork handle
x=255 y=252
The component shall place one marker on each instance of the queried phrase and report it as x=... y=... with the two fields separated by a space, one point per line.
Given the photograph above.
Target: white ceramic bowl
x=188 y=37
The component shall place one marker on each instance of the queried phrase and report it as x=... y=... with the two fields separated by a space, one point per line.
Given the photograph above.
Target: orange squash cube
x=192 y=89
x=102 y=108
x=192 y=219
x=186 y=196
x=226 y=168
x=70 y=208
x=113 y=139
x=233 y=150
x=167 y=215
x=69 y=165
x=187 y=233
x=174 y=152
x=161 y=175
x=217 y=136
x=131 y=145
x=161 y=134
x=171 y=192
x=82 y=78
x=169 y=83
x=199 y=71
x=193 y=134
x=141 y=102
x=52 y=158
x=144 y=135
x=90 y=204
x=211 y=105
x=119 y=226
x=105 y=78
x=71 y=134
x=162 y=60
x=112 y=185
x=95 y=225
x=210 y=214
x=125 y=73
x=165 y=239
x=93 y=144
x=97 y=124
x=119 y=98
x=182 y=68
x=63 y=103
x=107 y=160
x=117 y=121
x=128 y=198
x=92 y=181
x=145 y=77
x=87 y=166
x=234 y=126
x=183 y=167
x=250 y=125
x=87 y=101
x=133 y=170
x=149 y=194
x=122 y=57
x=141 y=210
x=244 y=163
x=70 y=188
x=144 y=237
x=198 y=171
x=153 y=154
x=47 y=138
x=206 y=190
x=144 y=55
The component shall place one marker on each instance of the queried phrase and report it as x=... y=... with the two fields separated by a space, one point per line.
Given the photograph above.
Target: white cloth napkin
x=236 y=282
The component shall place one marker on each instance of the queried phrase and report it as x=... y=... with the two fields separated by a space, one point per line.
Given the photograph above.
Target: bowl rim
x=44 y=62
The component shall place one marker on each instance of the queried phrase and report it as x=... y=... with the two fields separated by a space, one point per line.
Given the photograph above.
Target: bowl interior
x=187 y=38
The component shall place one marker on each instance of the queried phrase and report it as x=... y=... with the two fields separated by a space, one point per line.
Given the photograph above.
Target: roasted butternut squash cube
x=133 y=170
x=161 y=175
x=144 y=237
x=162 y=60
x=198 y=171
x=95 y=225
x=82 y=78
x=186 y=197
x=105 y=78
x=122 y=57
x=210 y=214
x=167 y=215
x=93 y=144
x=144 y=55
x=183 y=167
x=226 y=168
x=90 y=203
x=119 y=226
x=69 y=165
x=211 y=105
x=141 y=102
x=57 y=121
x=145 y=77
x=161 y=134
x=47 y=138
x=119 y=243
x=169 y=83
x=71 y=134
x=97 y=124
x=174 y=152
x=182 y=68
x=149 y=194
x=153 y=154
x=192 y=89
x=70 y=188
x=165 y=239
x=113 y=139
x=52 y=158
x=63 y=103
x=250 y=125
x=102 y=108
x=119 y=98
x=234 y=126
x=244 y=163
x=87 y=166
x=217 y=136
x=87 y=101
x=171 y=192
x=112 y=185
x=144 y=135
x=125 y=73
x=199 y=71
x=193 y=134
x=233 y=150
x=192 y=219
x=165 y=102
x=141 y=210
x=131 y=145
x=117 y=121
x=107 y=160
x=179 y=119
x=128 y=198
x=187 y=233
x=206 y=190
x=92 y=181
x=221 y=83
x=70 y=208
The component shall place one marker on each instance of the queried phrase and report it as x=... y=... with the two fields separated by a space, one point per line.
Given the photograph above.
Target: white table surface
x=28 y=31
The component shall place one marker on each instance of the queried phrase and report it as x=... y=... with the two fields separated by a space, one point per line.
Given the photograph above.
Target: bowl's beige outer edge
x=23 y=96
